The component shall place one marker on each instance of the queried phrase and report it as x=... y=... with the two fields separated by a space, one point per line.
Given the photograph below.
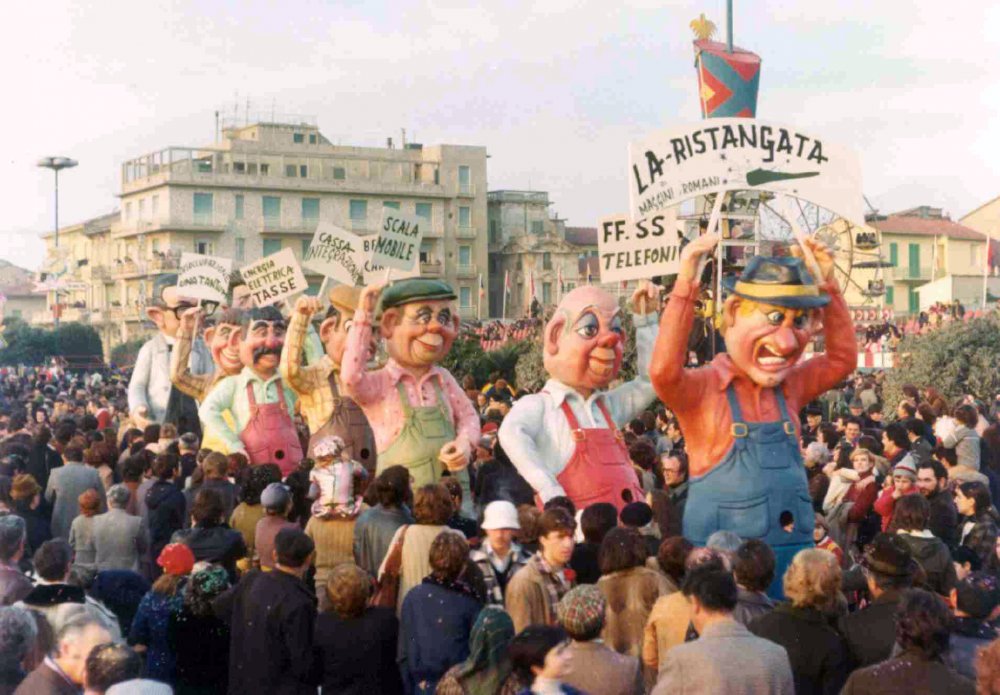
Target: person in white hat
x=499 y=557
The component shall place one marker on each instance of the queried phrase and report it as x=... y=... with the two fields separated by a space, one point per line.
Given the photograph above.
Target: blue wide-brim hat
x=780 y=281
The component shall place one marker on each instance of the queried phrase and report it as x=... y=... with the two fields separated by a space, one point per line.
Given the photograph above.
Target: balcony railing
x=430 y=268
x=466 y=271
x=465 y=232
x=273 y=225
x=466 y=189
x=912 y=273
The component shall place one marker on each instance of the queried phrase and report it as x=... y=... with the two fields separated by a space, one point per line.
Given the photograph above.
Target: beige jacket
x=665 y=628
x=630 y=595
x=598 y=670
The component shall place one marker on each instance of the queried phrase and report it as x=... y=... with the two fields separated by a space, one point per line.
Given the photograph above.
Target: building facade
x=264 y=188
x=529 y=244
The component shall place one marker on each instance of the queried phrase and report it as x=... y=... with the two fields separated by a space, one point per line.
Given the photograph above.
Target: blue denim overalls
x=758 y=480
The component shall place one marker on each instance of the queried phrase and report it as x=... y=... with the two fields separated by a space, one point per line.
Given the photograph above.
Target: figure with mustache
x=419 y=413
x=326 y=411
x=261 y=404
x=151 y=395
x=739 y=413
x=566 y=440
x=223 y=339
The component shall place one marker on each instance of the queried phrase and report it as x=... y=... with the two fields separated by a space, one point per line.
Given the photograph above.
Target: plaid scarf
x=556 y=584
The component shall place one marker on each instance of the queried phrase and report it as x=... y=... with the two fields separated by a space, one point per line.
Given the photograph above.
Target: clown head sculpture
x=584 y=340
x=419 y=322
x=262 y=339
x=769 y=317
x=223 y=339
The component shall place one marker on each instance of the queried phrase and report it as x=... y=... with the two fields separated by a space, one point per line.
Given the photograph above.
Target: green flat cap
x=414 y=290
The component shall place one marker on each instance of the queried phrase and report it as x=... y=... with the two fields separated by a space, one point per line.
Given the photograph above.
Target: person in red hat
x=150 y=627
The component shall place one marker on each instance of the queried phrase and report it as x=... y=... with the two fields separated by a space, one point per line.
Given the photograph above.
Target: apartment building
x=527 y=241
x=264 y=187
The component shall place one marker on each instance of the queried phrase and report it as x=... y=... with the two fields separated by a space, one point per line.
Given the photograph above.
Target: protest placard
x=336 y=253
x=640 y=249
x=375 y=273
x=274 y=278
x=398 y=242
x=204 y=277
x=723 y=154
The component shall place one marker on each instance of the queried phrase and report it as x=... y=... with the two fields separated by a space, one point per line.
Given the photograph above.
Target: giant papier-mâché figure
x=327 y=412
x=565 y=440
x=739 y=413
x=151 y=395
x=261 y=404
x=421 y=417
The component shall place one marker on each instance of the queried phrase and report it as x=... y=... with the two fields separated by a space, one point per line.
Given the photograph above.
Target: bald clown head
x=584 y=340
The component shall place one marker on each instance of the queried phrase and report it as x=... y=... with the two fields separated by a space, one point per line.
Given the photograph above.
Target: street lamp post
x=56 y=164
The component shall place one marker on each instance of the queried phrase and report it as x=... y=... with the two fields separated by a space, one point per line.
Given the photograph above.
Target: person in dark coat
x=165 y=505
x=909 y=521
x=922 y=633
x=974 y=599
x=14 y=585
x=199 y=638
x=121 y=591
x=595 y=522
x=497 y=479
x=356 y=644
x=26 y=499
x=932 y=481
x=889 y=569
x=753 y=567
x=272 y=623
x=43 y=458
x=437 y=617
x=817 y=653
x=210 y=539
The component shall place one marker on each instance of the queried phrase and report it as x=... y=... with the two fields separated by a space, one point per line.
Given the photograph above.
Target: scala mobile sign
x=725 y=154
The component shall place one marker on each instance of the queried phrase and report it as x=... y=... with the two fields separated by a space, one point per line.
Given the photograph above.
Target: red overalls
x=599 y=469
x=270 y=436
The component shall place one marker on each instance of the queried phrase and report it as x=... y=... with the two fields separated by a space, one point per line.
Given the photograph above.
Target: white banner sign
x=337 y=254
x=398 y=242
x=638 y=250
x=204 y=277
x=274 y=278
x=722 y=154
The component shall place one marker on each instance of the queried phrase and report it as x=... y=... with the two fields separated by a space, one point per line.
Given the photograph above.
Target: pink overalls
x=270 y=436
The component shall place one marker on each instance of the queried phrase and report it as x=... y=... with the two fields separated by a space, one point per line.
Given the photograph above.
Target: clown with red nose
x=260 y=403
x=739 y=414
x=420 y=415
x=565 y=440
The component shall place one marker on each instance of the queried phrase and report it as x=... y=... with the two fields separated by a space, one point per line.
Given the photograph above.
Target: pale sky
x=555 y=90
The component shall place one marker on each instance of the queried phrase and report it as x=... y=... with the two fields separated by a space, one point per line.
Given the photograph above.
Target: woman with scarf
x=487 y=671
x=199 y=638
x=437 y=617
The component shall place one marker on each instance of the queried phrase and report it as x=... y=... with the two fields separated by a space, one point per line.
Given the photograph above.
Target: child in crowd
x=336 y=483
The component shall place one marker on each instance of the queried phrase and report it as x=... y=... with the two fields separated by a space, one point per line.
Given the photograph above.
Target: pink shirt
x=375 y=392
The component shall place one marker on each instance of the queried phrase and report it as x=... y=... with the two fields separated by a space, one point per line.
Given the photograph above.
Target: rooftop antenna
x=403 y=139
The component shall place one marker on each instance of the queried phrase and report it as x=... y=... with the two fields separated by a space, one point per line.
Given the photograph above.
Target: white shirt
x=536 y=435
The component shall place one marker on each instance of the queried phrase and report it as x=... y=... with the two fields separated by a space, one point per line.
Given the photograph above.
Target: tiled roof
x=581 y=236
x=920 y=226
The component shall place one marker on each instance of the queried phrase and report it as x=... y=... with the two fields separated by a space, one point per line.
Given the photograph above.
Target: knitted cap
x=581 y=611
x=906 y=468
x=176 y=559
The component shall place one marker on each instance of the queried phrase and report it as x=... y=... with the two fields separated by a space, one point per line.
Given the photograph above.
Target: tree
x=957 y=359
x=79 y=344
x=125 y=354
x=468 y=357
x=30 y=345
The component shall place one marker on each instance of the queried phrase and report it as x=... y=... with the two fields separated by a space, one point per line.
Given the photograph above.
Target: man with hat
x=419 y=413
x=499 y=557
x=738 y=412
x=810 y=431
x=151 y=395
x=325 y=410
x=889 y=569
x=594 y=667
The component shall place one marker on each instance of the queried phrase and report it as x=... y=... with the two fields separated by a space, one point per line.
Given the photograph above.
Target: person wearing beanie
x=26 y=496
x=639 y=515
x=276 y=501
x=150 y=628
x=499 y=557
x=903 y=482
x=594 y=667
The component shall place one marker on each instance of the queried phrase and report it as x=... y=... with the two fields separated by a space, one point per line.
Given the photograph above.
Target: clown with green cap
x=419 y=413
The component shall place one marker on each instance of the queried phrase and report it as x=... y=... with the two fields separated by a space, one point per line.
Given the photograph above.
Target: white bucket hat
x=500 y=514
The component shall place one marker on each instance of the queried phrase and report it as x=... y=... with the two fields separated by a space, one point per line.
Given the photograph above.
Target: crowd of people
x=140 y=561
x=885 y=336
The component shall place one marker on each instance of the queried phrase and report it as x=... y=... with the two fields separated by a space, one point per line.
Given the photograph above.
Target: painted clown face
x=765 y=341
x=224 y=342
x=261 y=346
x=420 y=334
x=584 y=341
